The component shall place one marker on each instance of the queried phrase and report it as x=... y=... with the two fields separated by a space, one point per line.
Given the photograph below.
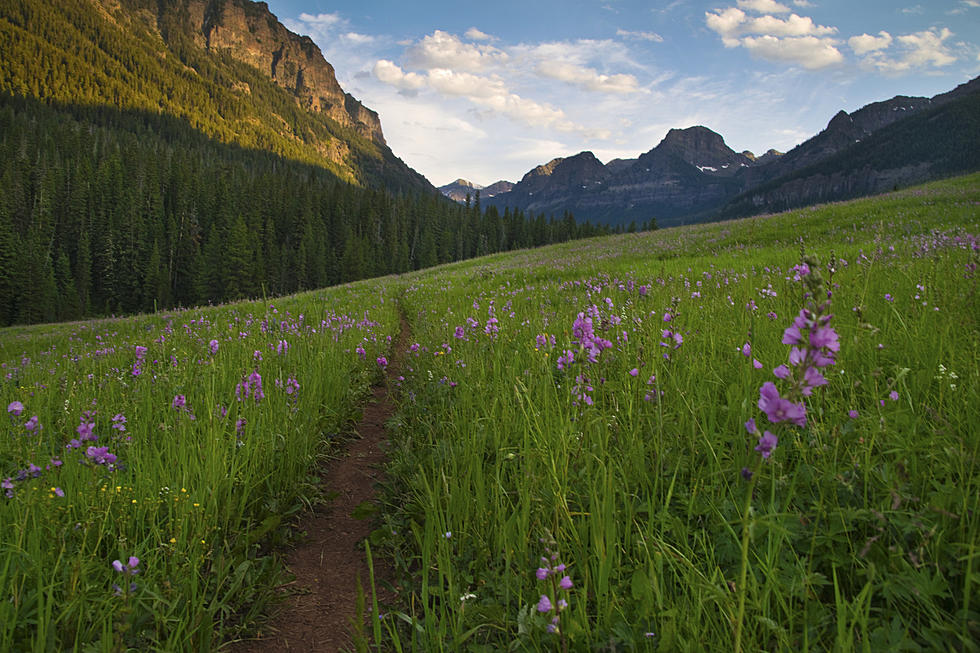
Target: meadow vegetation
x=753 y=435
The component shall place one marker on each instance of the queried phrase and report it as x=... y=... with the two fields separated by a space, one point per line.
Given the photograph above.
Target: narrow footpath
x=317 y=614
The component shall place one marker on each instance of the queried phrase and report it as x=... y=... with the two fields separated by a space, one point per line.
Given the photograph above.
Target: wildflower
x=15 y=408
x=747 y=350
x=778 y=409
x=100 y=456
x=282 y=347
x=84 y=431
x=544 y=604
x=32 y=424
x=179 y=402
x=542 y=573
x=213 y=347
x=565 y=583
x=240 y=425
x=634 y=372
x=292 y=385
x=129 y=568
x=119 y=422
x=58 y=491
x=767 y=442
x=893 y=395
x=853 y=414
x=382 y=362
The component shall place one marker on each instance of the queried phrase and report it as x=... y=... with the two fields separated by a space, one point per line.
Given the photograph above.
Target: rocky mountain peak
x=250 y=33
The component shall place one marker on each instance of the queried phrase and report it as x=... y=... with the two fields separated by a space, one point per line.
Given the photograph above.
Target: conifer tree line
x=109 y=212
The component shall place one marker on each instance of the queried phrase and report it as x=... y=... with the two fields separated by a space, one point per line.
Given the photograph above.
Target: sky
x=487 y=91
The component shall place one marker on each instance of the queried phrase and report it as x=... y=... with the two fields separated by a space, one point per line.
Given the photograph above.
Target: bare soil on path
x=329 y=562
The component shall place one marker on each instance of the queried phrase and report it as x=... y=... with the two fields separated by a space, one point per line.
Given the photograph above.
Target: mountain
x=228 y=68
x=692 y=175
x=941 y=137
x=496 y=188
x=689 y=171
x=460 y=189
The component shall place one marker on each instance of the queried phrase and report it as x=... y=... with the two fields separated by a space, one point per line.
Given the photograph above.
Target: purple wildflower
x=32 y=424
x=213 y=347
x=15 y=408
x=778 y=409
x=767 y=442
x=544 y=604
x=179 y=402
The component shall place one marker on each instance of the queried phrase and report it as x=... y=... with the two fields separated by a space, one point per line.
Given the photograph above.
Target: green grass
x=858 y=533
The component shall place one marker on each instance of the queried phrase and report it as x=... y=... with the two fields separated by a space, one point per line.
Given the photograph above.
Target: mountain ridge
x=692 y=175
x=227 y=67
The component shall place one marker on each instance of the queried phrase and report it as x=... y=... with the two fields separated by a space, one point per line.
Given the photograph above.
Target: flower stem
x=740 y=587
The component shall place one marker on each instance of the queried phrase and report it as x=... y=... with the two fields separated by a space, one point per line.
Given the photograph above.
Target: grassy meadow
x=754 y=435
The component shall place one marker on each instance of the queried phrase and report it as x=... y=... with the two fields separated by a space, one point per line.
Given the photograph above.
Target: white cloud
x=587 y=78
x=390 y=73
x=971 y=3
x=808 y=51
x=474 y=34
x=795 y=39
x=802 y=3
x=926 y=49
x=732 y=23
x=917 y=9
x=359 y=39
x=443 y=50
x=322 y=20
x=643 y=36
x=866 y=43
x=490 y=93
x=764 y=6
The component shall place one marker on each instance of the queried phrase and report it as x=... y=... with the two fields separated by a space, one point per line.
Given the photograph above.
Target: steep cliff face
x=250 y=33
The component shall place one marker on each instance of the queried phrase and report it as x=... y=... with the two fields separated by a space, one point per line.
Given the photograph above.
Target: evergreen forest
x=106 y=212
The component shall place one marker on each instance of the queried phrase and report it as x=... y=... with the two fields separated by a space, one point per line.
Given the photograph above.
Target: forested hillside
x=105 y=211
x=146 y=163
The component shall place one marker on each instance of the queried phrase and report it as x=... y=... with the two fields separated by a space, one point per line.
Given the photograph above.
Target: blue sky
x=486 y=91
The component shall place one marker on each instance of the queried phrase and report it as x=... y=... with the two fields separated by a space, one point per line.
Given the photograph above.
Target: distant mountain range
x=692 y=175
x=461 y=189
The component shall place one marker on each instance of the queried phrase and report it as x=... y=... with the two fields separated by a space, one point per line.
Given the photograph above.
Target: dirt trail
x=317 y=614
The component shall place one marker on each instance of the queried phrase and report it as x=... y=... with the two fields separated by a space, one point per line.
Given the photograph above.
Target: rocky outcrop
x=251 y=34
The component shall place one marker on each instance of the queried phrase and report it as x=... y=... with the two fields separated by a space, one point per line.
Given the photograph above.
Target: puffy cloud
x=643 y=36
x=764 y=6
x=322 y=20
x=390 y=73
x=359 y=39
x=795 y=39
x=866 y=43
x=474 y=34
x=732 y=23
x=587 y=78
x=916 y=51
x=474 y=87
x=444 y=50
x=808 y=51
x=490 y=93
